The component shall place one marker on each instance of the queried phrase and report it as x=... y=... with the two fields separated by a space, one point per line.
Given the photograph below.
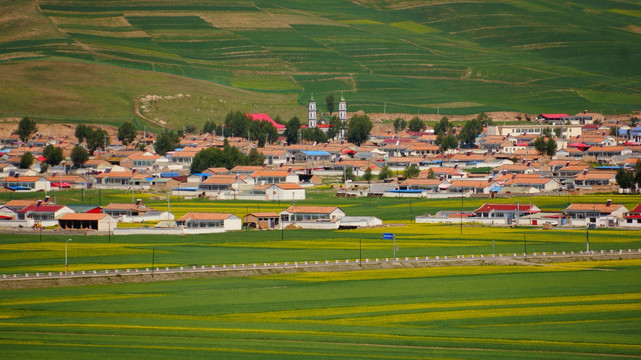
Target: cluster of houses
x=45 y=213
x=502 y=162
x=590 y=215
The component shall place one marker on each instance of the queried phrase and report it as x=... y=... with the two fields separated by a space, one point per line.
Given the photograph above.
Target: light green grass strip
x=414 y=27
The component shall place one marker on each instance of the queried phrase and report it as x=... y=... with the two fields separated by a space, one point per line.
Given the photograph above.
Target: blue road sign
x=388 y=236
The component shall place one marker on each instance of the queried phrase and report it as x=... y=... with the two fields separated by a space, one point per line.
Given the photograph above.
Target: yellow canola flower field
x=392 y=315
x=45 y=249
x=413 y=273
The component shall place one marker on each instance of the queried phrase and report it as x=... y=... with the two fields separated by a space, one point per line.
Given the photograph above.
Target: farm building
x=632 y=218
x=603 y=215
x=221 y=221
x=265 y=220
x=26 y=183
x=312 y=217
x=87 y=221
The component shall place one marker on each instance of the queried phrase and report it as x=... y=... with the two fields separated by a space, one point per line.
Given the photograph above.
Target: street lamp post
x=587 y=237
x=66 y=263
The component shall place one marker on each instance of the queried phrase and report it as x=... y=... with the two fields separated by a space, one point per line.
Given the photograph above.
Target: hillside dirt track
x=120 y=278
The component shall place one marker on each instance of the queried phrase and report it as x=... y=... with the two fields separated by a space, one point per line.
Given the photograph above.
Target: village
x=501 y=161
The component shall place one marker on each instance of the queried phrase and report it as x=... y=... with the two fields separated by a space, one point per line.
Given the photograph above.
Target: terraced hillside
x=89 y=60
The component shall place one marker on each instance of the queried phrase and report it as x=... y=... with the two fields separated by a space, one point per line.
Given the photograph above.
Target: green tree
x=164 y=144
x=358 y=129
x=540 y=145
x=53 y=154
x=416 y=125
x=97 y=138
x=625 y=179
x=255 y=157
x=399 y=125
x=330 y=101
x=262 y=131
x=79 y=155
x=384 y=173
x=411 y=171
x=470 y=131
x=209 y=127
x=26 y=160
x=368 y=176
x=237 y=123
x=26 y=128
x=550 y=147
x=335 y=125
x=446 y=142
x=189 y=129
x=82 y=131
x=547 y=132
x=443 y=126
x=558 y=132
x=228 y=157
x=316 y=135
x=637 y=173
x=430 y=174
x=348 y=173
x=291 y=130
x=127 y=133
x=484 y=119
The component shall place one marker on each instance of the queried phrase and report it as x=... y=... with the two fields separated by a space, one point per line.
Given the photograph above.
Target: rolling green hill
x=85 y=60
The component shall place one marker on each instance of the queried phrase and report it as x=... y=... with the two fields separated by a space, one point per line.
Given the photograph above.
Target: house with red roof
x=554 y=117
x=264 y=117
x=46 y=215
x=504 y=213
x=632 y=219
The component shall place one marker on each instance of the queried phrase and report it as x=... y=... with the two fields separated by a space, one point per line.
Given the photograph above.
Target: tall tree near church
x=330 y=101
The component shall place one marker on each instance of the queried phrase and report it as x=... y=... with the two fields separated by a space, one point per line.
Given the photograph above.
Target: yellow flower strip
x=488 y=307
x=316 y=335
x=412 y=273
x=49 y=300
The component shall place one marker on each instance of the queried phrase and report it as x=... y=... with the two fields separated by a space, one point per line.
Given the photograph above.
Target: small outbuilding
x=264 y=220
x=87 y=221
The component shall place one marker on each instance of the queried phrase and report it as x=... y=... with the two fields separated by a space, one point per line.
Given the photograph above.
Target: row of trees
x=228 y=158
x=627 y=179
x=446 y=137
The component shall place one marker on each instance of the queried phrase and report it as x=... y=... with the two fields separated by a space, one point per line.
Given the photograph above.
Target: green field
x=84 y=60
x=570 y=311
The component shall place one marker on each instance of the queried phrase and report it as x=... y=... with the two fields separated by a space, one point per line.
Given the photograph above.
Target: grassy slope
x=463 y=57
x=454 y=313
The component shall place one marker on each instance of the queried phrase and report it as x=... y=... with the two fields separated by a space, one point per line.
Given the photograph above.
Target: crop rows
x=456 y=313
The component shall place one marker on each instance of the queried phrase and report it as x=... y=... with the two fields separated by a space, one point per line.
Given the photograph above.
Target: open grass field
x=91 y=61
x=569 y=311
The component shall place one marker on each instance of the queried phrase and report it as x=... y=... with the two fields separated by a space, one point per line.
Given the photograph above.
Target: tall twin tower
x=312 y=120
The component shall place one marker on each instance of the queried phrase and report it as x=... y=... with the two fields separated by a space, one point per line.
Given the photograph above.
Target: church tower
x=342 y=115
x=311 y=110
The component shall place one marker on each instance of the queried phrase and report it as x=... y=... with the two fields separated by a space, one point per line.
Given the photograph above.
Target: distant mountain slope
x=412 y=56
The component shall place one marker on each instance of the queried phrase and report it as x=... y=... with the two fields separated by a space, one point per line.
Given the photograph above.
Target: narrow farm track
x=111 y=276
